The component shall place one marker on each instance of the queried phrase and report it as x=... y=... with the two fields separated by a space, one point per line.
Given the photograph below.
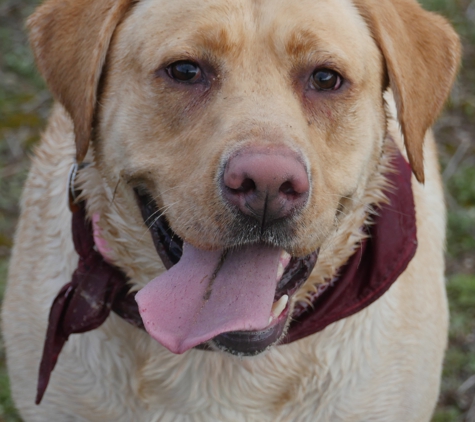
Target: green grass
x=25 y=104
x=460 y=358
x=7 y=409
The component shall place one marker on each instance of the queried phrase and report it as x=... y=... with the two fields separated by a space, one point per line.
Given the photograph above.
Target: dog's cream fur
x=381 y=364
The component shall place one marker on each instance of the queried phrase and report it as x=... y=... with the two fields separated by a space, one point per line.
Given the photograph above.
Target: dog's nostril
x=248 y=185
x=287 y=188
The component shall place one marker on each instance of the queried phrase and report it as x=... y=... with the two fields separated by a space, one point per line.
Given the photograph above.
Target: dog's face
x=252 y=125
x=293 y=83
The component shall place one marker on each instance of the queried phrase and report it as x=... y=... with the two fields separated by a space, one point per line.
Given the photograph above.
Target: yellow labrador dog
x=243 y=166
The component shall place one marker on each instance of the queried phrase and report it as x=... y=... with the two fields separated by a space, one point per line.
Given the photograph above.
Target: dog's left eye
x=326 y=80
x=184 y=71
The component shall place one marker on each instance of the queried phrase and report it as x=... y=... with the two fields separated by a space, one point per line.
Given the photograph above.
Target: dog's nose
x=266 y=183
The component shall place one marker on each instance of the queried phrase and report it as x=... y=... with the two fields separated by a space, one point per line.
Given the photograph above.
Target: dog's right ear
x=70 y=40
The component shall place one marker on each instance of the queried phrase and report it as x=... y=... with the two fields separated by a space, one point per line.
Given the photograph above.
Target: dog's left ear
x=422 y=55
x=70 y=40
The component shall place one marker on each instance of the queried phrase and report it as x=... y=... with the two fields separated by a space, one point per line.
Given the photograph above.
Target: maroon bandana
x=97 y=287
x=374 y=267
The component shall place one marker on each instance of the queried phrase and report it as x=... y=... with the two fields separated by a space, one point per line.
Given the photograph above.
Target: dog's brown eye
x=184 y=71
x=326 y=80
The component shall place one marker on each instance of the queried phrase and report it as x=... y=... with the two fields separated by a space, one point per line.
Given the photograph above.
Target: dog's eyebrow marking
x=217 y=40
x=301 y=42
x=212 y=279
x=305 y=47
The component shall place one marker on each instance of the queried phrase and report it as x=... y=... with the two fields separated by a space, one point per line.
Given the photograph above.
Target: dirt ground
x=24 y=108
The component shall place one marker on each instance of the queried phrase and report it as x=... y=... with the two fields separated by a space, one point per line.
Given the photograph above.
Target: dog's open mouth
x=235 y=299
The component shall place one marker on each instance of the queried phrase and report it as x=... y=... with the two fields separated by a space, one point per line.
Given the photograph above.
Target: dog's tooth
x=279 y=306
x=280 y=271
x=285 y=255
x=284 y=258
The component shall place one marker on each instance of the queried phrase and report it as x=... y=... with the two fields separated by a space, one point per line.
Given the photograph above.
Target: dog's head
x=253 y=127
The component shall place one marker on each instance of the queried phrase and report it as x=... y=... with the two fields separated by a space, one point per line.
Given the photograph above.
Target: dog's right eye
x=326 y=80
x=184 y=71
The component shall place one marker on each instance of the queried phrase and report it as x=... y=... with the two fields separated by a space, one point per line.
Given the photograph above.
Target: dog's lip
x=251 y=343
x=294 y=273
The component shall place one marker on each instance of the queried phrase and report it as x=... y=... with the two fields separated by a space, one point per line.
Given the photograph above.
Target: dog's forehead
x=159 y=27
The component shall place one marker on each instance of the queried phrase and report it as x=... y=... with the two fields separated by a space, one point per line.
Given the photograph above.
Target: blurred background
x=24 y=108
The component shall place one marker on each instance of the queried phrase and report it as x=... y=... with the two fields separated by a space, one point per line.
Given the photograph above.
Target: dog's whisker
x=357 y=201
x=162 y=212
x=115 y=191
x=158 y=196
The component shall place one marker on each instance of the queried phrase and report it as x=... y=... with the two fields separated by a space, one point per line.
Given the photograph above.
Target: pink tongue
x=184 y=307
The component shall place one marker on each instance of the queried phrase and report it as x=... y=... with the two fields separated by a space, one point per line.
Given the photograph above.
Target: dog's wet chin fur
x=108 y=64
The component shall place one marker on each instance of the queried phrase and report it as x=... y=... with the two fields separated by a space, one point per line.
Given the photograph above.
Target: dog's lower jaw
x=252 y=343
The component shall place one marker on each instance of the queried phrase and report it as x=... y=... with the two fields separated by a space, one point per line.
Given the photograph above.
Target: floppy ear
x=422 y=54
x=70 y=39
